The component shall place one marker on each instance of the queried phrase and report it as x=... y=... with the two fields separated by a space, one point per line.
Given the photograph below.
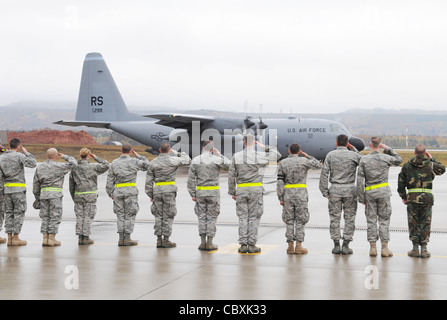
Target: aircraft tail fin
x=99 y=98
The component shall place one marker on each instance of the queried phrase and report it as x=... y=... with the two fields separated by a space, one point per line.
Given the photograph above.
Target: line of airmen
x=245 y=176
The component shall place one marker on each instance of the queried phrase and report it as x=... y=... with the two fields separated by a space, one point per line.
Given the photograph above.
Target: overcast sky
x=289 y=56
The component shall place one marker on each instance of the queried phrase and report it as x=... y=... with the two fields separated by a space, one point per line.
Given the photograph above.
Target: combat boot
x=243 y=248
x=159 y=242
x=345 y=248
x=168 y=244
x=299 y=249
x=121 y=240
x=290 y=249
x=386 y=252
x=415 y=251
x=85 y=240
x=336 y=249
x=16 y=241
x=253 y=249
x=202 y=245
x=210 y=245
x=128 y=241
x=372 y=249
x=9 y=239
x=52 y=242
x=424 y=252
x=45 y=240
x=2 y=240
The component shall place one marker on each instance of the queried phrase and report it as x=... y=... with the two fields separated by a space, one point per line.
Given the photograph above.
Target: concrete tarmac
x=106 y=271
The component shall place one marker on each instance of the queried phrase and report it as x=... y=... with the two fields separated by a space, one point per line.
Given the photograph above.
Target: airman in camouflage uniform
x=339 y=169
x=47 y=189
x=161 y=189
x=293 y=196
x=83 y=185
x=203 y=186
x=245 y=177
x=2 y=203
x=374 y=192
x=415 y=185
x=122 y=188
x=12 y=184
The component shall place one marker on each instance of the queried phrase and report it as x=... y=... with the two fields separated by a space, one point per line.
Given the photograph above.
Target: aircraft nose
x=358 y=143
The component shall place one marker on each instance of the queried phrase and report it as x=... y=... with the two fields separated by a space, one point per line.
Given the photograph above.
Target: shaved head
x=420 y=150
x=52 y=153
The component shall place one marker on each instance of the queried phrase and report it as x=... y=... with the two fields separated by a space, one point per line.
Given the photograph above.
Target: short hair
x=342 y=140
x=165 y=147
x=14 y=143
x=84 y=153
x=376 y=142
x=52 y=153
x=249 y=140
x=294 y=148
x=126 y=148
x=420 y=150
x=208 y=145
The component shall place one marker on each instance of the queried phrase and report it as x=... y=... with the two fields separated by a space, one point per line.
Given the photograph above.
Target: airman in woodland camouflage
x=245 y=178
x=121 y=186
x=47 y=189
x=161 y=189
x=415 y=185
x=12 y=185
x=83 y=185
x=374 y=192
x=203 y=186
x=293 y=196
x=340 y=167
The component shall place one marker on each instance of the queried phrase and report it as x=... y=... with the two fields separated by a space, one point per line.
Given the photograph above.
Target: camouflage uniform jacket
x=204 y=172
x=162 y=170
x=340 y=168
x=83 y=183
x=293 y=171
x=12 y=170
x=373 y=174
x=416 y=174
x=124 y=170
x=248 y=166
x=49 y=178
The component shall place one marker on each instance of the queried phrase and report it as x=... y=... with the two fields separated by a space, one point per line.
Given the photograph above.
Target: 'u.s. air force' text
x=308 y=130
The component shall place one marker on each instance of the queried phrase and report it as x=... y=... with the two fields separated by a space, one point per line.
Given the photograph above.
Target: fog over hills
x=31 y=115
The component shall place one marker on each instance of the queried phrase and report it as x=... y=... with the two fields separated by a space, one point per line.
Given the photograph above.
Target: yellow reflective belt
x=207 y=187
x=287 y=186
x=51 y=189
x=256 y=184
x=376 y=186
x=422 y=190
x=86 y=192
x=20 y=185
x=166 y=183
x=120 y=185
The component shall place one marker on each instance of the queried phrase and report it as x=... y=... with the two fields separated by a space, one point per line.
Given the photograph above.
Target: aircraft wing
x=74 y=123
x=177 y=120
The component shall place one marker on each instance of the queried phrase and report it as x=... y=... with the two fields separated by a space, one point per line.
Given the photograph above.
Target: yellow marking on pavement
x=232 y=248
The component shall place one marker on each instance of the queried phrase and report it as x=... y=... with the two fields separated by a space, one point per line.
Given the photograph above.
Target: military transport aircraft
x=100 y=105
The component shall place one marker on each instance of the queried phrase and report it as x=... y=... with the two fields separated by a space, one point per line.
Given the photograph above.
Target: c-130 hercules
x=100 y=105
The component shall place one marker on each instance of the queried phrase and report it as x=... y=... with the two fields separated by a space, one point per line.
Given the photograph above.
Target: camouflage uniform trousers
x=164 y=210
x=349 y=206
x=15 y=208
x=85 y=213
x=378 y=210
x=419 y=222
x=207 y=210
x=2 y=211
x=126 y=209
x=295 y=215
x=249 y=209
x=51 y=215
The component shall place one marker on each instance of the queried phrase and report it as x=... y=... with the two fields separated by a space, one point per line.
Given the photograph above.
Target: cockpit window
x=337 y=128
